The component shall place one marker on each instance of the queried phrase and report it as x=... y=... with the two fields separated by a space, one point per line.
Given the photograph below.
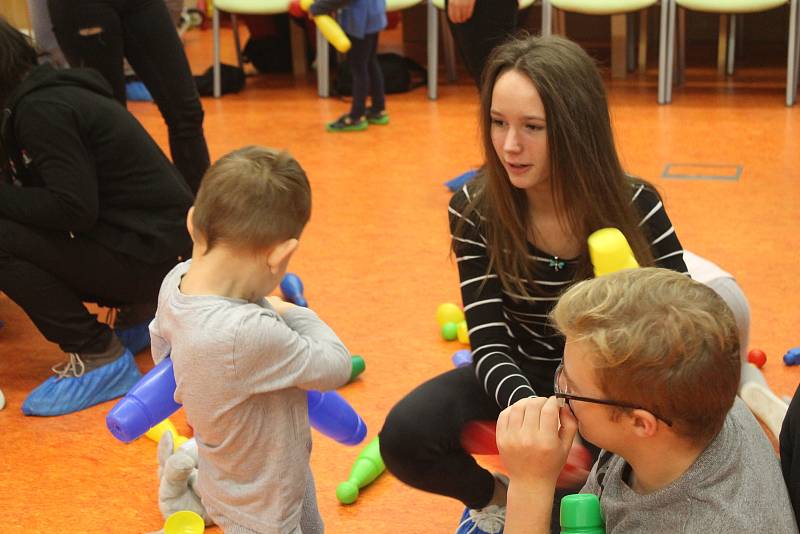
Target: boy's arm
x=533 y=449
x=302 y=351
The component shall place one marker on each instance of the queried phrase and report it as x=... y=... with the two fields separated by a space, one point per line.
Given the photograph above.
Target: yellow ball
x=449 y=313
x=463 y=337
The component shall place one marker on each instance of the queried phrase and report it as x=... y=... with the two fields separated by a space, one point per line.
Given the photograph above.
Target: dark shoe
x=346 y=123
x=378 y=118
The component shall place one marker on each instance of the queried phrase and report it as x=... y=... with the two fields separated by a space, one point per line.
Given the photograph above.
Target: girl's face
x=519 y=133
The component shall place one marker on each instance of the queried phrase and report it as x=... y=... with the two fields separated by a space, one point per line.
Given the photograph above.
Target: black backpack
x=400 y=75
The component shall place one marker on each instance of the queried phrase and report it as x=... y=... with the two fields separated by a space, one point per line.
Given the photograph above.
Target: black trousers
x=49 y=275
x=491 y=23
x=367 y=75
x=99 y=33
x=790 y=451
x=421 y=446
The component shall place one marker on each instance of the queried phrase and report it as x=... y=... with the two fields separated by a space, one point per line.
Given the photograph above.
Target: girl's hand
x=460 y=10
x=531 y=444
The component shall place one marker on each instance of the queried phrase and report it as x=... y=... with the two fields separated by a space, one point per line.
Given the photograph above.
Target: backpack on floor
x=400 y=75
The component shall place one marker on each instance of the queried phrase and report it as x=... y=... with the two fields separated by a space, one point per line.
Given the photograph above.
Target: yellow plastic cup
x=184 y=522
x=610 y=252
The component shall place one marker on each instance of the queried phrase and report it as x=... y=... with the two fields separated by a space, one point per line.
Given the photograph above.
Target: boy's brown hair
x=252 y=198
x=661 y=341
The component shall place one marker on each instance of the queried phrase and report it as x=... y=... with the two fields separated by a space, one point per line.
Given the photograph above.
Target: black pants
x=491 y=23
x=49 y=275
x=790 y=452
x=99 y=33
x=421 y=446
x=367 y=75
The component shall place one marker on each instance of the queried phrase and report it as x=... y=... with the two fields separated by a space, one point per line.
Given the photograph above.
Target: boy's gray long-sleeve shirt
x=735 y=486
x=242 y=372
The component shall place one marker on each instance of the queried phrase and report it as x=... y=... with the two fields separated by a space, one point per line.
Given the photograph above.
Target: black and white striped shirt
x=515 y=347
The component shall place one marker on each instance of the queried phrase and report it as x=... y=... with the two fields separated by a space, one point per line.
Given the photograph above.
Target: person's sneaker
x=488 y=520
x=379 y=118
x=136 y=338
x=73 y=389
x=346 y=123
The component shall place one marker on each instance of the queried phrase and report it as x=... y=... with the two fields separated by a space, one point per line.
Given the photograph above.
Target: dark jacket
x=81 y=164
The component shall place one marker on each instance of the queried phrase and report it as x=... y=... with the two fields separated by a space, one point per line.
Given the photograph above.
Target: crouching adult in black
x=91 y=210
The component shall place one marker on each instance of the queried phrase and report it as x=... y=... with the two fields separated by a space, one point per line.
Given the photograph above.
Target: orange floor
x=375 y=264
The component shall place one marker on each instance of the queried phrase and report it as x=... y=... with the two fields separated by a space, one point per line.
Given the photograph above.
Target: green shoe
x=345 y=123
x=379 y=118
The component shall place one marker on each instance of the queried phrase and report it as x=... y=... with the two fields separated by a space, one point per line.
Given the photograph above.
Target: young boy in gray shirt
x=243 y=361
x=650 y=373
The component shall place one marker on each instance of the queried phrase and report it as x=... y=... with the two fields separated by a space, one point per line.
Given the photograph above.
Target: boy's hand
x=279 y=304
x=531 y=445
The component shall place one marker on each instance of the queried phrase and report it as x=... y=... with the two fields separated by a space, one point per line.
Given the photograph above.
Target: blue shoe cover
x=137 y=92
x=136 y=338
x=66 y=395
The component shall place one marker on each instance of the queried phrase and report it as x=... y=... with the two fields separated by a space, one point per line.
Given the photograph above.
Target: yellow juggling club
x=610 y=252
x=329 y=28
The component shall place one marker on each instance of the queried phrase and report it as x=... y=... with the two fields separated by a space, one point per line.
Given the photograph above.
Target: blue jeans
x=99 y=33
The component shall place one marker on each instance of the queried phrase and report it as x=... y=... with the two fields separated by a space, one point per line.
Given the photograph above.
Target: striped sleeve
x=658 y=229
x=490 y=337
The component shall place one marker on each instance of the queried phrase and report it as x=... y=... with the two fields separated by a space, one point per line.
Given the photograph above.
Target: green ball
x=449 y=331
x=347 y=492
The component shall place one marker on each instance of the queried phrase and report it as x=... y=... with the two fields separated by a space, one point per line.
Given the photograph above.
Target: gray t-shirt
x=241 y=372
x=735 y=486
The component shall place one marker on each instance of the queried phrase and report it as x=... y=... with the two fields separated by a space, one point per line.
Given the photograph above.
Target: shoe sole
x=383 y=121
x=765 y=405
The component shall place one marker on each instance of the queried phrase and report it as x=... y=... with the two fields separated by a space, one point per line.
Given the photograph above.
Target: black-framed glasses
x=567 y=397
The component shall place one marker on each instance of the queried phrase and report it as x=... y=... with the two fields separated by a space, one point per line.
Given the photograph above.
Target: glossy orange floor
x=375 y=264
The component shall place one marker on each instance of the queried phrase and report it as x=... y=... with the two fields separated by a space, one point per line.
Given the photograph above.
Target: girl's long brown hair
x=590 y=189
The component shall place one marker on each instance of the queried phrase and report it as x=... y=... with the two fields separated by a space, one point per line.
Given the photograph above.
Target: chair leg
x=666 y=51
x=729 y=63
x=433 y=50
x=449 y=48
x=297 y=36
x=547 y=18
x=217 y=77
x=323 y=67
x=630 y=45
x=643 y=36
x=793 y=59
x=237 y=41
x=679 y=23
x=722 y=39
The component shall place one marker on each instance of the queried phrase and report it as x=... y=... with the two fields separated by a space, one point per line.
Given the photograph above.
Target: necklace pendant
x=556 y=264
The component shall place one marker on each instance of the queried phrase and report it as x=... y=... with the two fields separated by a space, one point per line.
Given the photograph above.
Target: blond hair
x=252 y=198
x=658 y=340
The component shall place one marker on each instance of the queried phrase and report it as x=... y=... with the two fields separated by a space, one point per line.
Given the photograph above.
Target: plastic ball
x=757 y=357
x=448 y=313
x=463 y=335
x=347 y=492
x=450 y=331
